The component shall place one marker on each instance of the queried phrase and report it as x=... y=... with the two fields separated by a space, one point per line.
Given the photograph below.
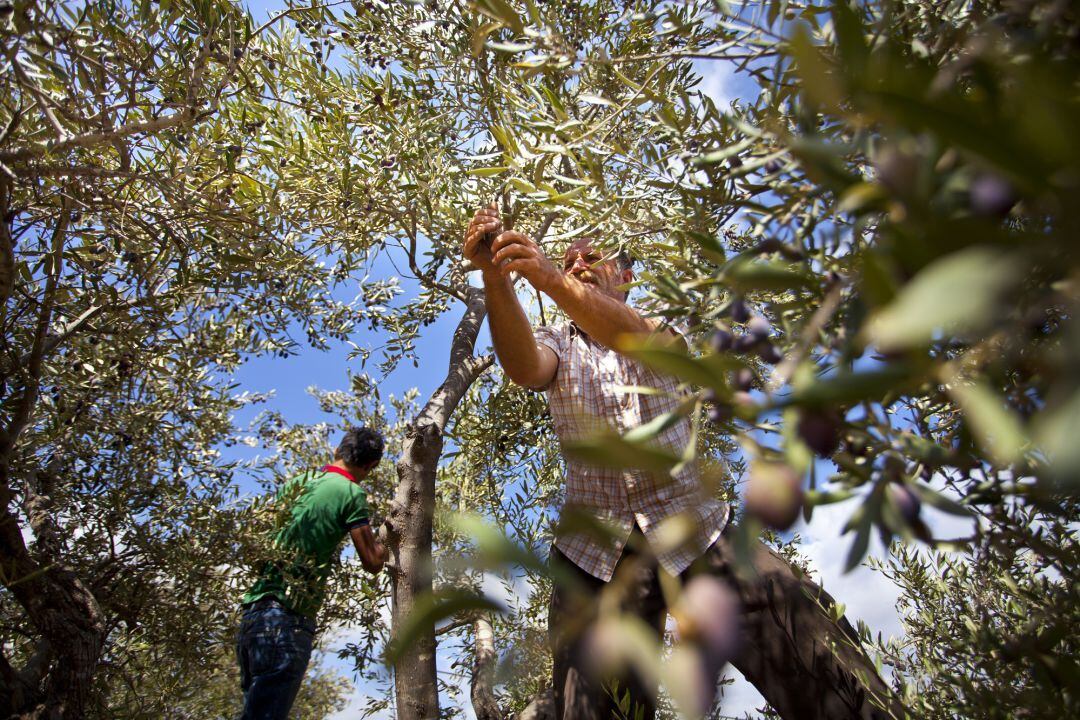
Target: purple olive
x=774 y=494
x=820 y=430
x=720 y=413
x=894 y=467
x=773 y=166
x=768 y=245
x=744 y=344
x=721 y=340
x=744 y=379
x=905 y=501
x=897 y=170
x=707 y=616
x=770 y=353
x=992 y=196
x=759 y=327
x=739 y=312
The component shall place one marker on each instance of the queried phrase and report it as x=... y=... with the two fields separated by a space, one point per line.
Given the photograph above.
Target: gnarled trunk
x=806 y=662
x=485 y=706
x=415 y=686
x=66 y=615
x=58 y=603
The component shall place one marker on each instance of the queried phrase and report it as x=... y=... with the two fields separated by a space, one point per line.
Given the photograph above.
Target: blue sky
x=868 y=595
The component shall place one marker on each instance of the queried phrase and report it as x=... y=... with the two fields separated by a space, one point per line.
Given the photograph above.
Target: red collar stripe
x=339 y=471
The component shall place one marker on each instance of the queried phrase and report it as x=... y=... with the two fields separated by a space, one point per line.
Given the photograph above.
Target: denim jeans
x=273 y=647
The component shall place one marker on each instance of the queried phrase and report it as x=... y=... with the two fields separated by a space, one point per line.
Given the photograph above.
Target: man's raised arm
x=585 y=288
x=524 y=361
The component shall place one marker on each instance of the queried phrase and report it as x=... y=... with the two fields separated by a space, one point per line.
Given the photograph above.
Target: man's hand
x=476 y=248
x=371 y=552
x=516 y=252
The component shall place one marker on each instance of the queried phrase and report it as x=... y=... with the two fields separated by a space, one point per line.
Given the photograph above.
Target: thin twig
x=42 y=101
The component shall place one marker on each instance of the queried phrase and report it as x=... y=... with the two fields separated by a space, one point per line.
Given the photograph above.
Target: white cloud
x=740 y=699
x=717 y=81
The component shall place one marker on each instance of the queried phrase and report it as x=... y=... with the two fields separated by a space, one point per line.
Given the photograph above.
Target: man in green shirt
x=318 y=509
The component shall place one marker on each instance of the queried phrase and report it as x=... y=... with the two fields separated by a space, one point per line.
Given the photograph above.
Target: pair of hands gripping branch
x=498 y=253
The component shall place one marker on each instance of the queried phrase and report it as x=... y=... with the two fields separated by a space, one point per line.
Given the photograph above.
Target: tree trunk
x=415 y=687
x=68 y=618
x=803 y=659
x=57 y=602
x=484 y=703
x=7 y=250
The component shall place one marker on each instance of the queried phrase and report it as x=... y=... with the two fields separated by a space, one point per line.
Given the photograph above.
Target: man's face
x=593 y=267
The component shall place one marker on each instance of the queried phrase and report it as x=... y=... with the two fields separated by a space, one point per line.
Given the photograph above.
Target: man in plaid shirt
x=805 y=662
x=585 y=378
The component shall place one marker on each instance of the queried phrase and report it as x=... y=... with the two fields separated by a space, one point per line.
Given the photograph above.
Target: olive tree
x=874 y=250
x=892 y=278
x=459 y=120
x=157 y=230
x=841 y=248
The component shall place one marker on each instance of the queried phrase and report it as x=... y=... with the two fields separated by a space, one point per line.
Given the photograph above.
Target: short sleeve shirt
x=592 y=392
x=319 y=509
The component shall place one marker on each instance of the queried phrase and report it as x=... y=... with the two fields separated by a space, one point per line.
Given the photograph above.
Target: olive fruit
x=897 y=170
x=739 y=312
x=759 y=327
x=906 y=502
x=744 y=343
x=707 y=616
x=721 y=340
x=770 y=353
x=819 y=430
x=991 y=196
x=720 y=413
x=742 y=399
x=774 y=494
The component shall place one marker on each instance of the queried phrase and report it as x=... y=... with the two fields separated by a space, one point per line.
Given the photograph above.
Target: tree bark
x=485 y=706
x=7 y=250
x=415 y=686
x=806 y=662
x=542 y=707
x=58 y=603
x=67 y=616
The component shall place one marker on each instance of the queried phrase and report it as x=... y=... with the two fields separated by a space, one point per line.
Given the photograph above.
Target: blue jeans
x=273 y=647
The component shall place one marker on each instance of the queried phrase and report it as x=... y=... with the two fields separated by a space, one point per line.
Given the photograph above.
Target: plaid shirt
x=586 y=397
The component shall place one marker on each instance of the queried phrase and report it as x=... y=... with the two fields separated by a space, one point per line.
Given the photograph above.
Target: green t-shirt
x=323 y=507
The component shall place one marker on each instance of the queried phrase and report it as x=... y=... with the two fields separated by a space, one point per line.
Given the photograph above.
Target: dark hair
x=624 y=261
x=360 y=447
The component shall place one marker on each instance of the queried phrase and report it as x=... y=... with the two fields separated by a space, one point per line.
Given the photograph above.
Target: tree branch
x=425 y=279
x=39 y=96
x=96 y=138
x=7 y=248
x=21 y=416
x=484 y=702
